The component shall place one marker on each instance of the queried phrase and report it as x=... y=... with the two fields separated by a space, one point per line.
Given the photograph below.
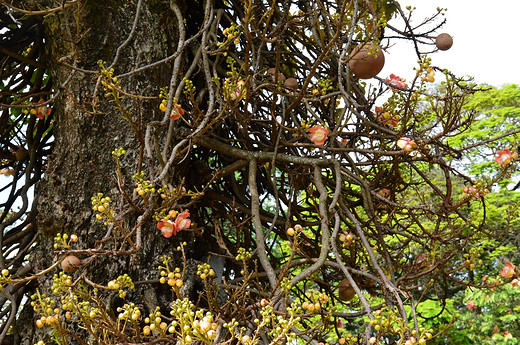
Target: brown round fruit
x=366 y=60
x=291 y=83
x=70 y=264
x=21 y=154
x=346 y=292
x=273 y=72
x=444 y=41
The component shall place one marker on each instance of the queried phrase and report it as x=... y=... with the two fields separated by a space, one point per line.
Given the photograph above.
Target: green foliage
x=496 y=112
x=486 y=316
x=491 y=317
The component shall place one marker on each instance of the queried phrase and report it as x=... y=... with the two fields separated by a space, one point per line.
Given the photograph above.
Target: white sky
x=486 y=42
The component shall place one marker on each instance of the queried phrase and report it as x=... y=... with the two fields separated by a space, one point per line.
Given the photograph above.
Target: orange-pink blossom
x=386 y=118
x=406 y=144
x=504 y=157
x=397 y=81
x=169 y=227
x=43 y=110
x=318 y=134
x=508 y=271
x=385 y=193
x=177 y=112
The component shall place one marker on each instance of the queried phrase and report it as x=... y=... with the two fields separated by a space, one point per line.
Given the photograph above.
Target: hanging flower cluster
x=231 y=33
x=169 y=227
x=318 y=134
x=397 y=81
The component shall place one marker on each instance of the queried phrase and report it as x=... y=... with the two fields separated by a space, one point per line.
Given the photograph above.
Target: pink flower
x=410 y=341
x=495 y=329
x=472 y=192
x=420 y=258
x=385 y=193
x=515 y=282
x=169 y=227
x=182 y=222
x=386 y=118
x=420 y=262
x=43 y=110
x=397 y=81
x=177 y=112
x=469 y=190
x=430 y=75
x=471 y=305
x=392 y=121
x=319 y=134
x=504 y=157
x=508 y=271
x=406 y=144
x=239 y=92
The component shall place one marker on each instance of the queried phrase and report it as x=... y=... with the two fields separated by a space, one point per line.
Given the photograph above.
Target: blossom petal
x=318 y=134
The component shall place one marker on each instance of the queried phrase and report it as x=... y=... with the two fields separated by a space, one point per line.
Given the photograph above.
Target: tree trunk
x=81 y=164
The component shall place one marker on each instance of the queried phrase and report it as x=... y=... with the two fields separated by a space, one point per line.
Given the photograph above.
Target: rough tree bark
x=81 y=164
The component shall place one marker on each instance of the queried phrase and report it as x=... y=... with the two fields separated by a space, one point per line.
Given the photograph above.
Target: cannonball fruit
x=346 y=291
x=291 y=83
x=366 y=60
x=70 y=264
x=273 y=72
x=21 y=153
x=444 y=41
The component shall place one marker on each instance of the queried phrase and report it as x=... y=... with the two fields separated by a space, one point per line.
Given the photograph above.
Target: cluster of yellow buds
x=101 y=204
x=232 y=33
x=129 y=311
x=205 y=327
x=120 y=283
x=143 y=186
x=64 y=240
x=204 y=271
x=317 y=300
